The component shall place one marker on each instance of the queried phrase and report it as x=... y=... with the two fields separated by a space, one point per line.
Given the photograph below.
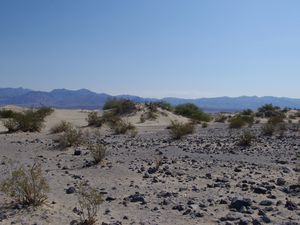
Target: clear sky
x=153 y=48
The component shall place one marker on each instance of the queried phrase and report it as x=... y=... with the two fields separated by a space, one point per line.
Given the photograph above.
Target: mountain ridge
x=86 y=99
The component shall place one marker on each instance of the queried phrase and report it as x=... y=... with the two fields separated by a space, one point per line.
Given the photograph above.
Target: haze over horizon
x=153 y=49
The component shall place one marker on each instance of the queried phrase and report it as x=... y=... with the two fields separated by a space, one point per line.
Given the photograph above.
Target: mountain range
x=86 y=99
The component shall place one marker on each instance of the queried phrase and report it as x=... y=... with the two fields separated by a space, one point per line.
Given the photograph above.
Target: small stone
x=71 y=190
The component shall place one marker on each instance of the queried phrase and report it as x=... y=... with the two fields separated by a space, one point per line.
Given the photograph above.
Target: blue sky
x=157 y=48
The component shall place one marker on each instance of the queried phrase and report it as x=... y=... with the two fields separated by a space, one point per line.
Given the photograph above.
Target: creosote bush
x=268 y=129
x=28 y=121
x=70 y=138
x=98 y=152
x=94 y=119
x=63 y=126
x=27 y=186
x=179 y=130
x=89 y=200
x=6 y=113
x=122 y=127
x=246 y=138
x=120 y=106
x=268 y=110
x=240 y=121
x=191 y=111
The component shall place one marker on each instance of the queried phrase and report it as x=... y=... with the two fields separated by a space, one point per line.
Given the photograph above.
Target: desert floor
x=197 y=183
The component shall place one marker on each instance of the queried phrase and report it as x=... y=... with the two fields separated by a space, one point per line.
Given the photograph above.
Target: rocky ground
x=205 y=178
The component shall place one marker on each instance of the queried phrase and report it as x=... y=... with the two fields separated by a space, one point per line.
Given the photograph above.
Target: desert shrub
x=11 y=125
x=246 y=112
x=191 y=111
x=27 y=186
x=275 y=120
x=220 y=118
x=94 y=119
x=29 y=121
x=246 y=138
x=98 y=152
x=268 y=110
x=71 y=137
x=179 y=130
x=44 y=111
x=6 y=113
x=237 y=122
x=63 y=126
x=204 y=125
x=268 y=129
x=89 y=200
x=123 y=127
x=120 y=106
x=110 y=118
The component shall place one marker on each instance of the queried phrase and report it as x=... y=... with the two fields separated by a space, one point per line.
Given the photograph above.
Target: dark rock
x=71 y=190
x=265 y=219
x=280 y=182
x=152 y=170
x=232 y=216
x=266 y=203
x=137 y=197
x=260 y=190
x=291 y=205
x=2 y=216
x=77 y=152
x=178 y=208
x=238 y=203
x=110 y=199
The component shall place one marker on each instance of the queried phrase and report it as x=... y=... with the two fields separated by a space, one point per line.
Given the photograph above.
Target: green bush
x=63 y=126
x=122 y=127
x=11 y=125
x=247 y=112
x=110 y=118
x=89 y=200
x=237 y=122
x=70 y=138
x=120 y=106
x=98 y=152
x=94 y=119
x=275 y=120
x=191 y=111
x=246 y=138
x=44 y=112
x=6 y=113
x=204 y=125
x=27 y=186
x=28 y=121
x=268 y=129
x=268 y=110
x=179 y=130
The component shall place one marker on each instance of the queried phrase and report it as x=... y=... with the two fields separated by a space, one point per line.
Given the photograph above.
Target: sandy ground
x=196 y=184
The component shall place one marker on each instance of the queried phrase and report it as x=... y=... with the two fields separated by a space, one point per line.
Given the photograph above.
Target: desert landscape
x=164 y=168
